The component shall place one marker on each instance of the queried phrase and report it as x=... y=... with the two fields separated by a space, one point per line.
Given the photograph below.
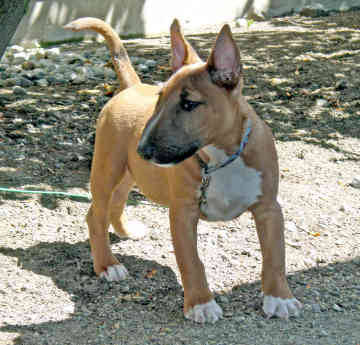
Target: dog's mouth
x=167 y=155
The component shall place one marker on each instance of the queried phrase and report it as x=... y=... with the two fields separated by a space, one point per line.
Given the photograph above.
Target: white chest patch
x=232 y=189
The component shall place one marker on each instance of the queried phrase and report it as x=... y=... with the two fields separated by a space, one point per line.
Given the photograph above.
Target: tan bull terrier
x=219 y=156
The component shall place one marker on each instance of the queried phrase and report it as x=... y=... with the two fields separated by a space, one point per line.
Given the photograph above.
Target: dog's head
x=197 y=104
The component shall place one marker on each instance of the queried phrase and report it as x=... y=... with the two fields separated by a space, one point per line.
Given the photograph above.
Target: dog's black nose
x=145 y=151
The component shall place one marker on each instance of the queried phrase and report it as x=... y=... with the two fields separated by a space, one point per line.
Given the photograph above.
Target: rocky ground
x=302 y=77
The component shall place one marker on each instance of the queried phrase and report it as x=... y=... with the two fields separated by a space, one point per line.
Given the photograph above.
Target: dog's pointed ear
x=182 y=52
x=224 y=64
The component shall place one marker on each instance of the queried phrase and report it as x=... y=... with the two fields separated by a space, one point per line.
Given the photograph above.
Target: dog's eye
x=188 y=105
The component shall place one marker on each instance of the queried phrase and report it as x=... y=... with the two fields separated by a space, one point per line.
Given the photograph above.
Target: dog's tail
x=120 y=59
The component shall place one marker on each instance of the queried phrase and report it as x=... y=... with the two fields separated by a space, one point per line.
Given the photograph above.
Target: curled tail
x=120 y=59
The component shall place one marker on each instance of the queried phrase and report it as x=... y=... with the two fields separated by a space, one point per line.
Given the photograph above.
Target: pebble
x=20 y=58
x=344 y=208
x=241 y=22
x=150 y=63
x=42 y=83
x=321 y=102
x=28 y=65
x=323 y=333
x=14 y=49
x=341 y=85
x=223 y=299
x=24 y=82
x=19 y=91
x=290 y=226
x=355 y=183
x=33 y=65
x=337 y=308
x=143 y=68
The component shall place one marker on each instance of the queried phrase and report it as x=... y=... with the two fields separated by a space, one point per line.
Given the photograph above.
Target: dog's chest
x=231 y=189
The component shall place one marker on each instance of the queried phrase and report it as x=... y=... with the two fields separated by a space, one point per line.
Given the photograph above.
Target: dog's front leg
x=278 y=299
x=199 y=303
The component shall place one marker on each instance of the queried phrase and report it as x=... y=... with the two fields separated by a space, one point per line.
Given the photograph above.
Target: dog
x=195 y=145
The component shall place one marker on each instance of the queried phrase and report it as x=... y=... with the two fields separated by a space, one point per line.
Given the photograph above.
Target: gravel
x=301 y=76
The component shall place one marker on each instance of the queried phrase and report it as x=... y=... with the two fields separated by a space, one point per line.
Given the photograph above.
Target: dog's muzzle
x=146 y=151
x=166 y=155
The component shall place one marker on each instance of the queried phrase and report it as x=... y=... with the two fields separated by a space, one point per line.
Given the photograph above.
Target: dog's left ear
x=182 y=52
x=224 y=64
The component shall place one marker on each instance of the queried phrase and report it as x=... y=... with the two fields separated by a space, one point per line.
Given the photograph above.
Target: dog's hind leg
x=124 y=228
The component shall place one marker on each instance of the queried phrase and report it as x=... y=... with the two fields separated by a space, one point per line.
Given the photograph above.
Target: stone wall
x=130 y=17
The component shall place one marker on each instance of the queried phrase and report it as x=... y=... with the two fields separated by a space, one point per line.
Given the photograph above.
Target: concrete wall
x=45 y=17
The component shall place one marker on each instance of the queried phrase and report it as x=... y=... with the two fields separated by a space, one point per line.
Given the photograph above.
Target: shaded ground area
x=302 y=77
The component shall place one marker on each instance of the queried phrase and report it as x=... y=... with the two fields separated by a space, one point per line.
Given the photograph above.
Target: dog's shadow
x=149 y=301
x=70 y=267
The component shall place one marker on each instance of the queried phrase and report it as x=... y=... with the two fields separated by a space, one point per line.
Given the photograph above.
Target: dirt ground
x=302 y=77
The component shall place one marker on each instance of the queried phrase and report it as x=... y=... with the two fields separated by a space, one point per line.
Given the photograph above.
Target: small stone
x=44 y=63
x=15 y=49
x=223 y=299
x=78 y=79
x=52 y=53
x=42 y=83
x=142 y=60
x=143 y=68
x=293 y=244
x=316 y=293
x=10 y=82
x=276 y=81
x=337 y=307
x=24 y=82
x=16 y=134
x=97 y=72
x=62 y=69
x=323 y=333
x=28 y=65
x=35 y=74
x=56 y=78
x=37 y=54
x=73 y=58
x=308 y=262
x=84 y=106
x=20 y=58
x=34 y=44
x=150 y=63
x=68 y=308
x=341 y=85
x=19 y=91
x=38 y=73
x=290 y=226
x=321 y=102
x=239 y=319
x=241 y=23
x=355 y=183
x=344 y=208
x=81 y=70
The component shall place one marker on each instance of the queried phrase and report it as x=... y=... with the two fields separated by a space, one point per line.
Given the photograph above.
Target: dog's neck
x=218 y=158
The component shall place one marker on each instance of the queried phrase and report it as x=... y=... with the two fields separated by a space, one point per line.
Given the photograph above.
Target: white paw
x=207 y=312
x=115 y=273
x=280 y=307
